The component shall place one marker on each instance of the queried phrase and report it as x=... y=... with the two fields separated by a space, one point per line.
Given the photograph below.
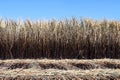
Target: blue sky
x=37 y=9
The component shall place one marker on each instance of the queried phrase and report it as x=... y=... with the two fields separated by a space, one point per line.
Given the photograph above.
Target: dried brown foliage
x=85 y=38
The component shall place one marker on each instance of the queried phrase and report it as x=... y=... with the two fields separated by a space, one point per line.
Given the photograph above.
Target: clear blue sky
x=36 y=9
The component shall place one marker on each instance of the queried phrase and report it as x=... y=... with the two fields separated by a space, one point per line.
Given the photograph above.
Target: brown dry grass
x=67 y=38
x=65 y=69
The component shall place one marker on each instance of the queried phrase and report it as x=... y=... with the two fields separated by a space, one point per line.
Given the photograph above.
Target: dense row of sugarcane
x=66 y=38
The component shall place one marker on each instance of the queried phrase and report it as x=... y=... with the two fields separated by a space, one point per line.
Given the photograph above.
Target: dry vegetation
x=60 y=40
x=73 y=38
x=65 y=69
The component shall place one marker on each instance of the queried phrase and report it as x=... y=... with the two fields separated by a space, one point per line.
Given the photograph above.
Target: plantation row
x=67 y=38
